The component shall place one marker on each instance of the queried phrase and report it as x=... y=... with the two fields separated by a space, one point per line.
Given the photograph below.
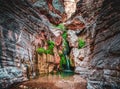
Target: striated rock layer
x=106 y=45
x=95 y=21
x=20 y=24
x=101 y=63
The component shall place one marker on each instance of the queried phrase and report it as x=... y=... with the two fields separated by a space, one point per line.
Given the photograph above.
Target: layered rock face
x=105 y=59
x=102 y=37
x=95 y=21
x=19 y=26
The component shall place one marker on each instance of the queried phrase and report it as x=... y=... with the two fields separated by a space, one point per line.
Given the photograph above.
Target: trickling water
x=66 y=52
x=67 y=63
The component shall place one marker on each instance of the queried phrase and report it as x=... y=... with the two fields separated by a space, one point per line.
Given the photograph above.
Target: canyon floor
x=53 y=82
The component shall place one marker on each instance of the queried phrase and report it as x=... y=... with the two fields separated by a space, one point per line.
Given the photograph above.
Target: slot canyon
x=59 y=44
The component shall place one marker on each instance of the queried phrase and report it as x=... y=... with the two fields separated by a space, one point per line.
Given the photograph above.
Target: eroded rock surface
x=102 y=34
x=95 y=21
x=19 y=26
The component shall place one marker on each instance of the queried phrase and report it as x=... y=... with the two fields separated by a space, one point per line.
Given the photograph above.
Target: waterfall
x=67 y=63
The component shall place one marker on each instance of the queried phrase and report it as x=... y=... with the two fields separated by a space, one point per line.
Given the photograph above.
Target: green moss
x=81 y=43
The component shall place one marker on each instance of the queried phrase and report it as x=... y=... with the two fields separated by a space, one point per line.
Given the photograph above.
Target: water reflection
x=60 y=80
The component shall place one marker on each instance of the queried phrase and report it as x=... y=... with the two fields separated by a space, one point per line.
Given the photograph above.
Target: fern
x=61 y=26
x=81 y=43
x=40 y=50
x=49 y=50
x=50 y=42
x=64 y=35
x=51 y=45
x=62 y=61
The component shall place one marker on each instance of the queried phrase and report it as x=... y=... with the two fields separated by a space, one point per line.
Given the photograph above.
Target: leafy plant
x=64 y=35
x=81 y=43
x=62 y=61
x=50 y=42
x=51 y=45
x=40 y=50
x=49 y=50
x=61 y=26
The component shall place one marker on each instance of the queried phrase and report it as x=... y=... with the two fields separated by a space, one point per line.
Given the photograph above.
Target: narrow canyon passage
x=59 y=44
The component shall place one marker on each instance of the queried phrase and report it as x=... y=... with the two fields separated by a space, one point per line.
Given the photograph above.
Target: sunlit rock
x=72 y=38
x=76 y=23
x=70 y=7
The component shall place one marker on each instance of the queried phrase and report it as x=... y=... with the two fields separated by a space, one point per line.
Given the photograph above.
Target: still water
x=56 y=81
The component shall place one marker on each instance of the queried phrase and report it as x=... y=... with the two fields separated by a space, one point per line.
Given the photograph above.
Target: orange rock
x=57 y=59
x=75 y=24
x=56 y=56
x=58 y=40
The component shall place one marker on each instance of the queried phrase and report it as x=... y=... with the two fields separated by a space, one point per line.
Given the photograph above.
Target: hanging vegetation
x=62 y=61
x=49 y=50
x=40 y=50
x=81 y=43
x=61 y=27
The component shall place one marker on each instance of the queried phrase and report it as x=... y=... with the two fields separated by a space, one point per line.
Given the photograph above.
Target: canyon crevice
x=26 y=25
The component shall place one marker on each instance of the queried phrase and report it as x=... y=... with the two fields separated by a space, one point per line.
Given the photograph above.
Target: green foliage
x=40 y=50
x=62 y=61
x=81 y=43
x=51 y=45
x=50 y=42
x=64 y=35
x=49 y=50
x=61 y=26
